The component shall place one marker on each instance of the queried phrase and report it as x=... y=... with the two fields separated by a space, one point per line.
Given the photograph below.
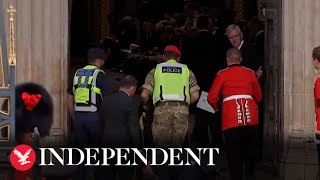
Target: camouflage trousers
x=170 y=126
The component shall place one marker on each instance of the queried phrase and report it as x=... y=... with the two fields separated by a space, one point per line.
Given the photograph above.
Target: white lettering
x=139 y=154
x=43 y=156
x=106 y=157
x=89 y=156
x=211 y=157
x=173 y=156
x=155 y=155
x=120 y=156
x=70 y=152
x=190 y=152
x=57 y=156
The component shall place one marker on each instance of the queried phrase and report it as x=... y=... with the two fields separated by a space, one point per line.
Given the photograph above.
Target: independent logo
x=22 y=157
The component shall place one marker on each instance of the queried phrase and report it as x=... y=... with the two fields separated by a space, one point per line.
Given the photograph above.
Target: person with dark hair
x=316 y=64
x=241 y=93
x=85 y=95
x=119 y=113
x=173 y=87
x=34 y=113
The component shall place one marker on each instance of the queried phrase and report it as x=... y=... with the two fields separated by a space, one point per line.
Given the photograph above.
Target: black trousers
x=241 y=147
x=318 y=149
x=203 y=129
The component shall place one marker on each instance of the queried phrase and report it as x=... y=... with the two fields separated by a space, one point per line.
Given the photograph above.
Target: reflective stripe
x=168 y=97
x=242 y=96
x=94 y=92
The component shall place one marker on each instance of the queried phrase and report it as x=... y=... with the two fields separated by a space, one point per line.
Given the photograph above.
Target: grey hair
x=232 y=27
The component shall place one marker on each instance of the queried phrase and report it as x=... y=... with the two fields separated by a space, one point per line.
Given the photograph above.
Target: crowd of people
x=170 y=89
x=200 y=56
x=195 y=32
x=196 y=49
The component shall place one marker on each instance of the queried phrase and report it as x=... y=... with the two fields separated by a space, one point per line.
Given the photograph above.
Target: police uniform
x=241 y=94
x=170 y=84
x=88 y=87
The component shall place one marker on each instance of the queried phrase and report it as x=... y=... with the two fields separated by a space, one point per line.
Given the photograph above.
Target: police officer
x=173 y=87
x=85 y=95
x=241 y=94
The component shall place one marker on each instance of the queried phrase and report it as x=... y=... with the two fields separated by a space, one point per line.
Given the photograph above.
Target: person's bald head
x=233 y=56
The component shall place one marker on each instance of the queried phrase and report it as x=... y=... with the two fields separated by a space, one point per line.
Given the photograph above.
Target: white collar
x=203 y=30
x=241 y=44
x=259 y=33
x=125 y=92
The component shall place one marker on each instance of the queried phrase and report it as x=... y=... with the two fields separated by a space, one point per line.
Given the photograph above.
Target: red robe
x=240 y=110
x=317 y=104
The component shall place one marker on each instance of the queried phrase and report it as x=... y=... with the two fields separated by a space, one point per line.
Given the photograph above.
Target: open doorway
x=90 y=24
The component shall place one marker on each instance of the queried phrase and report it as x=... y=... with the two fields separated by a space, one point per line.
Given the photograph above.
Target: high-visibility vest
x=171 y=82
x=85 y=89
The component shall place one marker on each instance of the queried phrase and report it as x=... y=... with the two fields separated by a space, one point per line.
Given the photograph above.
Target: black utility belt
x=171 y=103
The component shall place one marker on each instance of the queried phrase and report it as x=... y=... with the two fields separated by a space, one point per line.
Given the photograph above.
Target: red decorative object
x=30 y=100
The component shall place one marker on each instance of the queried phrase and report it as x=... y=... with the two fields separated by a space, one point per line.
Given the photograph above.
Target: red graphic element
x=30 y=100
x=22 y=157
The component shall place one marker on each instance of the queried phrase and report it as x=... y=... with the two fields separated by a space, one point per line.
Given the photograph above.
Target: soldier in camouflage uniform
x=173 y=87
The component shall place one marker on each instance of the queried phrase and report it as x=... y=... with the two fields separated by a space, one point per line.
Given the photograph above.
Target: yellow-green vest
x=85 y=89
x=171 y=82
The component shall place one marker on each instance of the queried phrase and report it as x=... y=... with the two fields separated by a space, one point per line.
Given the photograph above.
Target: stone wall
x=300 y=34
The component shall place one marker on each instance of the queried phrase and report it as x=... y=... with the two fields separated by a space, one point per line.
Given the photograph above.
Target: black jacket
x=250 y=58
x=119 y=113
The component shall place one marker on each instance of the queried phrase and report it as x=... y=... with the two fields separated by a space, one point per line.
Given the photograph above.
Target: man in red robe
x=316 y=64
x=240 y=92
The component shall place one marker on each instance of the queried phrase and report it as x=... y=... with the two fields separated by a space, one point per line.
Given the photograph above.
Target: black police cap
x=96 y=53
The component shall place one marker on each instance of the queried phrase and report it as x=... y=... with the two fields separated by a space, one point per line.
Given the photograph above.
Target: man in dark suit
x=201 y=59
x=250 y=59
x=121 y=128
x=256 y=34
